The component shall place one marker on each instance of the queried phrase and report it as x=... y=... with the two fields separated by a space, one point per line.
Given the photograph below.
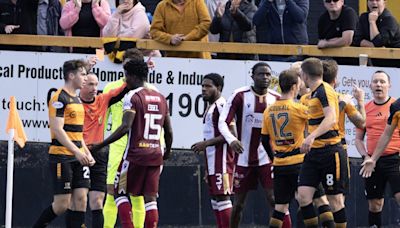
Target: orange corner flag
x=14 y=122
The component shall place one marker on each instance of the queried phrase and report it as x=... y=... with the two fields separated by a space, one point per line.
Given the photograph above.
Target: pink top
x=70 y=15
x=133 y=23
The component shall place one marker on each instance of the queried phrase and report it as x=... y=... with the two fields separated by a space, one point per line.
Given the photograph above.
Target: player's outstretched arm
x=127 y=121
x=265 y=140
x=56 y=126
x=168 y=137
x=383 y=141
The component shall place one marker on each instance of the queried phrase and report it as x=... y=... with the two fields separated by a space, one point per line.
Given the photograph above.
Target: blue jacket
x=291 y=30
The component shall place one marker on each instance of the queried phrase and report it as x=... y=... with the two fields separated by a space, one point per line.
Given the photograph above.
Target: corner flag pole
x=10 y=177
x=16 y=133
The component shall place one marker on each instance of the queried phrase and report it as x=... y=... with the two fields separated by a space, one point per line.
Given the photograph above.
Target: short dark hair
x=330 y=67
x=312 y=67
x=260 y=64
x=135 y=67
x=132 y=53
x=382 y=72
x=217 y=79
x=287 y=79
x=72 y=66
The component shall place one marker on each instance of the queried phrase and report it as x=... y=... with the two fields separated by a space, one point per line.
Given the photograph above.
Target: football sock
x=124 y=211
x=214 y=206
x=374 y=219
x=75 y=219
x=287 y=222
x=110 y=211
x=276 y=220
x=45 y=218
x=224 y=212
x=151 y=219
x=97 y=218
x=326 y=216
x=309 y=216
x=340 y=218
x=138 y=211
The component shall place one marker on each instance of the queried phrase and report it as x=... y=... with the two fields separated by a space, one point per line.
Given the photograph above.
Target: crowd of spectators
x=174 y=21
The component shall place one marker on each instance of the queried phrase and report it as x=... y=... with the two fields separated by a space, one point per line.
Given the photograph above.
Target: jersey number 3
x=152 y=125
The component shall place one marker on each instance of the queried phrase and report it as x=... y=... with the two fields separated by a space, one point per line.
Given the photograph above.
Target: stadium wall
x=183 y=197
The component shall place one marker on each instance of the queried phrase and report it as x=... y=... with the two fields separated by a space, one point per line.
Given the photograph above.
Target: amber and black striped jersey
x=71 y=109
x=323 y=96
x=394 y=118
x=285 y=122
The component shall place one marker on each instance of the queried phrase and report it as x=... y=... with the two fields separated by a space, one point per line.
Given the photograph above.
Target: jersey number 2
x=285 y=117
x=152 y=125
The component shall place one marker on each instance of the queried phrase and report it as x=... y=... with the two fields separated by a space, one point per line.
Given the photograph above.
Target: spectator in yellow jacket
x=175 y=21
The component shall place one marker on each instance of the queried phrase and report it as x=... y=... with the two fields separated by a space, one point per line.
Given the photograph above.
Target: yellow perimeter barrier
x=222 y=47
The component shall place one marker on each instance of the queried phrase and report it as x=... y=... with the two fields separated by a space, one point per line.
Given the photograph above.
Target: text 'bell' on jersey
x=219 y=158
x=323 y=96
x=285 y=122
x=247 y=108
x=95 y=114
x=345 y=109
x=71 y=109
x=375 y=123
x=144 y=147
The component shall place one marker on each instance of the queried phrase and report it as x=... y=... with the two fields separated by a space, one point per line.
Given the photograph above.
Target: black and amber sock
x=75 y=219
x=45 y=218
x=340 y=218
x=97 y=218
x=374 y=219
x=326 y=216
x=309 y=216
x=276 y=220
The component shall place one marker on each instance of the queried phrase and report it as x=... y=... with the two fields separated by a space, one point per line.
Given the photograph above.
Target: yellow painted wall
x=392 y=5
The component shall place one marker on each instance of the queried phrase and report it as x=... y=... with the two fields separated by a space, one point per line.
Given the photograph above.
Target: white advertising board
x=32 y=78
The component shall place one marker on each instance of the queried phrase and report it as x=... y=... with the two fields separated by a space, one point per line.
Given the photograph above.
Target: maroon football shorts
x=137 y=180
x=220 y=184
x=247 y=178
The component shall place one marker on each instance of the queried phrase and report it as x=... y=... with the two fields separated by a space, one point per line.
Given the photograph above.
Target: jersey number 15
x=152 y=125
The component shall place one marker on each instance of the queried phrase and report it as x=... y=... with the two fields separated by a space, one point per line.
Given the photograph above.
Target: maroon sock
x=287 y=222
x=124 y=211
x=225 y=209
x=216 y=212
x=151 y=219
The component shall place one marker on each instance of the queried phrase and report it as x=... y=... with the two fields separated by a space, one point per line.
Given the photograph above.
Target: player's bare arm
x=202 y=145
x=127 y=121
x=326 y=124
x=369 y=164
x=359 y=95
x=87 y=152
x=359 y=143
x=168 y=137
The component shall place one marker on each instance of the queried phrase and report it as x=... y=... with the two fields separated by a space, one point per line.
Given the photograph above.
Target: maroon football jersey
x=151 y=108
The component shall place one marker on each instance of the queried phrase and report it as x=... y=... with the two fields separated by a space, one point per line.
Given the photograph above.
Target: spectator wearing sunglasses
x=378 y=28
x=336 y=27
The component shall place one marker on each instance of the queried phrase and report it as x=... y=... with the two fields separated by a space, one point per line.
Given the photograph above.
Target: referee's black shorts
x=386 y=171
